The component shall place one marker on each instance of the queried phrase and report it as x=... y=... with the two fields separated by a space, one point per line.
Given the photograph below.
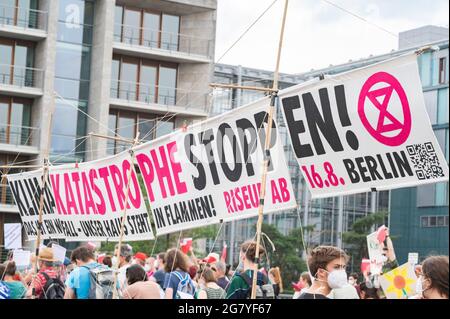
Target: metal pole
x=262 y=192
x=124 y=214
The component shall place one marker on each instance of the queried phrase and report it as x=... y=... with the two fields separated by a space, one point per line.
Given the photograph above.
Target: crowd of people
x=176 y=275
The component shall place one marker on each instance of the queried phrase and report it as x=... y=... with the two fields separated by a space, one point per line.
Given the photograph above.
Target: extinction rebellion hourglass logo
x=388 y=124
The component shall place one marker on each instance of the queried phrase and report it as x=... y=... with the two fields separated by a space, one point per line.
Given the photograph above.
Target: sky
x=317 y=33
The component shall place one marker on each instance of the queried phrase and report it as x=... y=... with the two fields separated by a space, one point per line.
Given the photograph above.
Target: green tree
x=288 y=250
x=356 y=238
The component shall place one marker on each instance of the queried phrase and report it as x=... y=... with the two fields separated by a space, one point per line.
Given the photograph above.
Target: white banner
x=211 y=171
x=364 y=130
x=26 y=190
x=91 y=196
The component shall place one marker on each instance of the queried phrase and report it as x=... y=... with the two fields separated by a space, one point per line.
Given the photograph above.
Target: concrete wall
x=45 y=55
x=100 y=84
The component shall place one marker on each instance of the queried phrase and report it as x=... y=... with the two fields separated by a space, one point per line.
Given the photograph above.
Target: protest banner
x=210 y=172
x=399 y=283
x=26 y=191
x=364 y=130
x=12 y=236
x=90 y=198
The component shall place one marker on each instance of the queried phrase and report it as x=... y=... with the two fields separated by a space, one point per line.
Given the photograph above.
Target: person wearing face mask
x=433 y=281
x=327 y=265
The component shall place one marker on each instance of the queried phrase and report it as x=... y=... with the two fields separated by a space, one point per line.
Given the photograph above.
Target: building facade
x=71 y=67
x=425 y=209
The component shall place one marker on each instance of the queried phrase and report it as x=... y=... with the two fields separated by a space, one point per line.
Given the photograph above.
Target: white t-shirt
x=346 y=292
x=122 y=276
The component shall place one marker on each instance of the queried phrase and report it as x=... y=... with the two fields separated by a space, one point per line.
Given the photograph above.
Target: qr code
x=425 y=161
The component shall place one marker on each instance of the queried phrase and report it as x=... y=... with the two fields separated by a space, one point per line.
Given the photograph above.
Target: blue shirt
x=79 y=280
x=172 y=281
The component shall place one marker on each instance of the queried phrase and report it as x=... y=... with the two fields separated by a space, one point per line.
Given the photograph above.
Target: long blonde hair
x=275 y=272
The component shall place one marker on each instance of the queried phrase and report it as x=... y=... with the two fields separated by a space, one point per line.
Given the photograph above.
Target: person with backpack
x=90 y=280
x=178 y=283
x=47 y=283
x=240 y=286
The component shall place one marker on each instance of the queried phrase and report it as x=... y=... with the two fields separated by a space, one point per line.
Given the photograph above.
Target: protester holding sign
x=327 y=266
x=125 y=254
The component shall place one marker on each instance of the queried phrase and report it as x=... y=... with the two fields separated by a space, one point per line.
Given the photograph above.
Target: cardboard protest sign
x=399 y=283
x=90 y=198
x=413 y=258
x=59 y=253
x=375 y=248
x=12 y=236
x=211 y=171
x=364 y=129
x=26 y=190
x=22 y=257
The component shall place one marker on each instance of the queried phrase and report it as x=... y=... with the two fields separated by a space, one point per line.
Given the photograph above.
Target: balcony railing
x=23 y=17
x=18 y=135
x=6 y=197
x=163 y=40
x=153 y=94
x=21 y=76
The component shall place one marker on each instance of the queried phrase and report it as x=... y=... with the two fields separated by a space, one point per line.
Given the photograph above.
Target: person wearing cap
x=211 y=259
x=45 y=265
x=140 y=258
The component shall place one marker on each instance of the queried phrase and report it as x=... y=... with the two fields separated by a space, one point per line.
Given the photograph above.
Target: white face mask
x=337 y=279
x=147 y=267
x=114 y=261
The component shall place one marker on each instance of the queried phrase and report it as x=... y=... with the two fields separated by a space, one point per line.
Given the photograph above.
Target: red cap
x=140 y=256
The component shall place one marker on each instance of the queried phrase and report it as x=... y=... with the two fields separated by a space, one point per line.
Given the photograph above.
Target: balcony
x=19 y=139
x=158 y=99
x=23 y=23
x=21 y=81
x=7 y=204
x=164 y=46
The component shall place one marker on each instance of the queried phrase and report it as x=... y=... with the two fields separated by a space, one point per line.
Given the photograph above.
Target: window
x=425 y=68
x=442 y=117
x=434 y=221
x=131 y=26
x=151 y=29
x=20 y=13
x=145 y=27
x=442 y=69
x=143 y=80
x=16 y=62
x=15 y=120
x=126 y=123
x=72 y=61
x=170 y=32
x=426 y=195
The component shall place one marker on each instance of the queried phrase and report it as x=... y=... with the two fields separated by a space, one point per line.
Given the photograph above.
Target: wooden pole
x=124 y=214
x=112 y=138
x=41 y=199
x=20 y=166
x=233 y=86
x=262 y=191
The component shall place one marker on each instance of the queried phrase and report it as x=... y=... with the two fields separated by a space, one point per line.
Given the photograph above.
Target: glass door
x=5 y=63
x=128 y=79
x=147 y=83
x=151 y=34
x=167 y=85
x=4 y=119
x=132 y=27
